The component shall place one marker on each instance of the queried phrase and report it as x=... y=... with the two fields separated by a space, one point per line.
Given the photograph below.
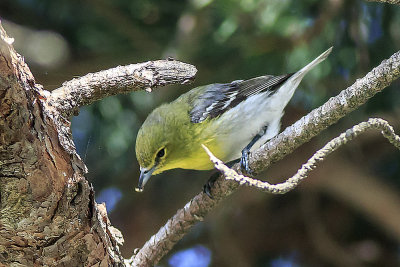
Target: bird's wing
x=220 y=97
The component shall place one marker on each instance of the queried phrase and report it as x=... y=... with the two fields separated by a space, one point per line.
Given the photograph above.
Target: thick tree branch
x=122 y=79
x=291 y=183
x=291 y=138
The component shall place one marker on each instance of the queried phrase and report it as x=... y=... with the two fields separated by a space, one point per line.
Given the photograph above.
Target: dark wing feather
x=221 y=97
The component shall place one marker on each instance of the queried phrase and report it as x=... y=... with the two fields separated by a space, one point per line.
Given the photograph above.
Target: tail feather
x=315 y=62
x=286 y=91
x=298 y=76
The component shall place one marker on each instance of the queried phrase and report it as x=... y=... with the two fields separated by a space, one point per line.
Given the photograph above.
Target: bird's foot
x=244 y=162
x=210 y=183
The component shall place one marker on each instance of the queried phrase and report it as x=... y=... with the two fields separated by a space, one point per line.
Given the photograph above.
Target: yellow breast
x=199 y=159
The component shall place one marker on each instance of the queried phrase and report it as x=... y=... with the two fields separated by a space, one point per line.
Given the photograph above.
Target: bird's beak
x=145 y=175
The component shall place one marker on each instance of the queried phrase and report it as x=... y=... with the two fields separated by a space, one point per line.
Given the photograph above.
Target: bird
x=230 y=119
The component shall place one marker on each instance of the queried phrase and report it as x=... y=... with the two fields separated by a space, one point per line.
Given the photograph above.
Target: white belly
x=242 y=123
x=238 y=126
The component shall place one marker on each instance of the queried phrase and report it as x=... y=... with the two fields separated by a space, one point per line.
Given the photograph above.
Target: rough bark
x=48 y=216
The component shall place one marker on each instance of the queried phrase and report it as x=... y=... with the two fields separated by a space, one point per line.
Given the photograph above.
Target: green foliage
x=227 y=40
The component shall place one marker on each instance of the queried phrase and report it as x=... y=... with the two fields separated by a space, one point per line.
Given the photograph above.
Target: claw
x=244 y=162
x=207 y=190
x=210 y=183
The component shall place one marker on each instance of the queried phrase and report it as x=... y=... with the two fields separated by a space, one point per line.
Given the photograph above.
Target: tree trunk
x=47 y=213
x=48 y=216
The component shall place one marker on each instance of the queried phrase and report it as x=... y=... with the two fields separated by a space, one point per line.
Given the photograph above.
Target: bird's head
x=157 y=146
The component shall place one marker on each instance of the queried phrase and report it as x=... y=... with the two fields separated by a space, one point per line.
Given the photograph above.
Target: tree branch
x=291 y=183
x=393 y=2
x=291 y=138
x=122 y=79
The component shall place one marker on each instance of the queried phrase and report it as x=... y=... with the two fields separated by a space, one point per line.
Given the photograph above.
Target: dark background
x=347 y=213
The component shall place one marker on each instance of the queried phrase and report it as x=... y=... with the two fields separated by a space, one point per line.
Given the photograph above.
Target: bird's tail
x=296 y=78
x=314 y=63
x=286 y=91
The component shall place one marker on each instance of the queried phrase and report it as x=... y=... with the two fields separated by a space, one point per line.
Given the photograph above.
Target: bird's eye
x=161 y=153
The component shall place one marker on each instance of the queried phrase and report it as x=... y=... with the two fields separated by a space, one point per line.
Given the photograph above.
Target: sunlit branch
x=123 y=79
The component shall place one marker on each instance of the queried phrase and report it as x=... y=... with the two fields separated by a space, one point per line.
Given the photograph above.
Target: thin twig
x=282 y=188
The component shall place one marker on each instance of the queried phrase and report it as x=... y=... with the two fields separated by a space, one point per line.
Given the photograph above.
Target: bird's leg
x=210 y=183
x=244 y=163
x=244 y=160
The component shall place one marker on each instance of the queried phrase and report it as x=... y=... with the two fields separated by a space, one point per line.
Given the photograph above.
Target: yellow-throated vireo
x=231 y=119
